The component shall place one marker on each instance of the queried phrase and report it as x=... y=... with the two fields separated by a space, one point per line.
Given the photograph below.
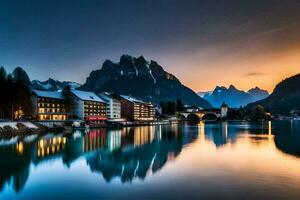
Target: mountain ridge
x=285 y=97
x=234 y=97
x=138 y=77
x=53 y=85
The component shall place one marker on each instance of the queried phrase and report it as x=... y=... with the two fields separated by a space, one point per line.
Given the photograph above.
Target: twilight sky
x=204 y=43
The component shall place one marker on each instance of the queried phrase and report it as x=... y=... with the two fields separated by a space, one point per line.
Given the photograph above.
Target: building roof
x=49 y=94
x=132 y=99
x=109 y=95
x=87 y=96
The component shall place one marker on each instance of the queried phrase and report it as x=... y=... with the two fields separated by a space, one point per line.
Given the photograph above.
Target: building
x=87 y=106
x=113 y=106
x=224 y=110
x=133 y=109
x=48 y=105
x=190 y=108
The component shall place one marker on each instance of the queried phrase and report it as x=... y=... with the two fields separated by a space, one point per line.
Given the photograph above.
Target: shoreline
x=11 y=129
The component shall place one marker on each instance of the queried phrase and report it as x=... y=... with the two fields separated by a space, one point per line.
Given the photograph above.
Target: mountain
x=258 y=94
x=233 y=97
x=53 y=85
x=141 y=78
x=285 y=97
x=202 y=94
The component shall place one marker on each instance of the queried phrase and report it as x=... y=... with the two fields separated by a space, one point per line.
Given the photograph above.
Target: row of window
x=50 y=105
x=47 y=110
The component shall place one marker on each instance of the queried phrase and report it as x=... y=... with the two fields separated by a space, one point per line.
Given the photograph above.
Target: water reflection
x=126 y=153
x=130 y=154
x=287 y=137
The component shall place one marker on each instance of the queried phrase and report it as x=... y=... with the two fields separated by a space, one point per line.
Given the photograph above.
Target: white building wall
x=113 y=109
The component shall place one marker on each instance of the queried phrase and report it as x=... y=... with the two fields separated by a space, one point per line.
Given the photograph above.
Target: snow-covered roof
x=87 y=96
x=132 y=99
x=109 y=95
x=49 y=94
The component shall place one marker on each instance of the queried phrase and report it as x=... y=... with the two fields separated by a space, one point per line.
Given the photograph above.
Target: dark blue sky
x=191 y=38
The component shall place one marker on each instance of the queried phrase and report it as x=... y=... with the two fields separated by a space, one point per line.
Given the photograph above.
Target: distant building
x=133 y=109
x=87 y=106
x=113 y=106
x=189 y=108
x=48 y=105
x=224 y=110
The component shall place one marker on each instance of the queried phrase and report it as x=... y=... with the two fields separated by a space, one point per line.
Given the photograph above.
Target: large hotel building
x=49 y=105
x=87 y=106
x=134 y=109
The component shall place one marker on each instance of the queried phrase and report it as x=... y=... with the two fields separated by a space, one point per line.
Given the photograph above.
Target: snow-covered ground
x=14 y=124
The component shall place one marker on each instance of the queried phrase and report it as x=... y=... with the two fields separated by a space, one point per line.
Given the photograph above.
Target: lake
x=229 y=160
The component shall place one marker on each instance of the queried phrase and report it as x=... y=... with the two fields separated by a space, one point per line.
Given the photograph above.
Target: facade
x=87 y=106
x=48 y=105
x=224 y=110
x=113 y=105
x=133 y=109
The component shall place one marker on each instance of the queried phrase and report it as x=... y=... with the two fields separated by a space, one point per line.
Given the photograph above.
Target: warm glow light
x=20 y=147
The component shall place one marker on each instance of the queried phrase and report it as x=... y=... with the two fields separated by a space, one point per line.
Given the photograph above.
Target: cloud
x=255 y=74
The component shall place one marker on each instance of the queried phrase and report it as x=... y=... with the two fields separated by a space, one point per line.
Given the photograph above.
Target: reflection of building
x=150 y=153
x=48 y=105
x=133 y=109
x=114 y=140
x=143 y=135
x=51 y=146
x=87 y=106
x=94 y=140
x=113 y=108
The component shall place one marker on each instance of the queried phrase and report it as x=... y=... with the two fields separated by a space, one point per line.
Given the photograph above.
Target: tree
x=15 y=94
x=168 y=108
x=3 y=75
x=3 y=79
x=21 y=77
x=258 y=113
x=179 y=105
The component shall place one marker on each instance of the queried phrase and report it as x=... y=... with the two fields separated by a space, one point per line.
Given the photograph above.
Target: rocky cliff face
x=141 y=78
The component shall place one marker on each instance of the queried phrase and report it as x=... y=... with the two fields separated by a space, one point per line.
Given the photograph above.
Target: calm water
x=216 y=161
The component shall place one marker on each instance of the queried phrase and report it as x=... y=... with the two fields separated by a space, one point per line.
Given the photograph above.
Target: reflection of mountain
x=223 y=133
x=137 y=161
x=127 y=152
x=287 y=137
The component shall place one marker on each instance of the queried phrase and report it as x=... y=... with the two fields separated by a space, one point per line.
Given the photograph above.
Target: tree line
x=171 y=107
x=14 y=94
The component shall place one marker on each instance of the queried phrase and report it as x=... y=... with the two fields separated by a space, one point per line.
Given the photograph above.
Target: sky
x=204 y=43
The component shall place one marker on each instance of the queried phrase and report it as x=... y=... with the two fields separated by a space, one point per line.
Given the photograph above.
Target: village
x=82 y=109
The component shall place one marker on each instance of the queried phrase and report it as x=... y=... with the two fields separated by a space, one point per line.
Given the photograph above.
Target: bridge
x=207 y=114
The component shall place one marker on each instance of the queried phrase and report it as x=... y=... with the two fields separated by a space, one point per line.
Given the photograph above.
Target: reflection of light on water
x=143 y=135
x=159 y=130
x=225 y=129
x=201 y=134
x=20 y=147
x=95 y=140
x=137 y=166
x=123 y=168
x=50 y=146
x=152 y=161
x=114 y=140
x=270 y=128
